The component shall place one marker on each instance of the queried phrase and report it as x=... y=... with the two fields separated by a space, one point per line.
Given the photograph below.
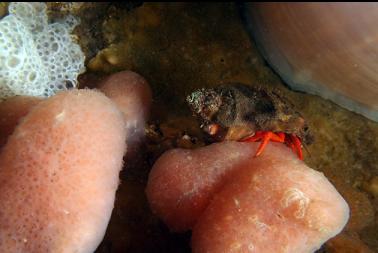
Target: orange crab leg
x=265 y=139
x=297 y=145
x=265 y=136
x=256 y=137
x=278 y=137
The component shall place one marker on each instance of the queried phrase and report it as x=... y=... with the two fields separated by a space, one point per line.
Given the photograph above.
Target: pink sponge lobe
x=59 y=174
x=182 y=182
x=235 y=202
x=11 y=112
x=133 y=96
x=274 y=203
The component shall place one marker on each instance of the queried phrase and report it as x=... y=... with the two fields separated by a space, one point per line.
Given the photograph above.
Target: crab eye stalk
x=212 y=129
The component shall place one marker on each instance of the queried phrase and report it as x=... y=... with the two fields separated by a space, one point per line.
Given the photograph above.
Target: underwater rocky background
x=181 y=47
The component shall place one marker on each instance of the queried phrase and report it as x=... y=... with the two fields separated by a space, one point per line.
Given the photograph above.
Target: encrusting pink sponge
x=59 y=174
x=11 y=111
x=133 y=96
x=235 y=202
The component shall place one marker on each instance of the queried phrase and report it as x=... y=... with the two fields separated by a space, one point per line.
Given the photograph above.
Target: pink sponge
x=132 y=94
x=59 y=173
x=182 y=182
x=238 y=203
x=273 y=204
x=11 y=111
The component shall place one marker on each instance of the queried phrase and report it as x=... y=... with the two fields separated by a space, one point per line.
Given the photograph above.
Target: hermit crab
x=240 y=112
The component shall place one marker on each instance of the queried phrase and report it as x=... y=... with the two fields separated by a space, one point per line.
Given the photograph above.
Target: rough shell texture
x=59 y=173
x=11 y=111
x=315 y=54
x=132 y=94
x=238 y=203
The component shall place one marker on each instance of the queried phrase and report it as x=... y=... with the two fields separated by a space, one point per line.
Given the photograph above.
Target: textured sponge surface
x=37 y=58
x=59 y=174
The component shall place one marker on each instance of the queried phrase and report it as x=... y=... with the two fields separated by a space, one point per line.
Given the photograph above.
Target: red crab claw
x=265 y=136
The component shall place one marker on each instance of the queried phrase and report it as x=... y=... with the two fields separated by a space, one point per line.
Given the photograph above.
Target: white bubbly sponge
x=37 y=58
